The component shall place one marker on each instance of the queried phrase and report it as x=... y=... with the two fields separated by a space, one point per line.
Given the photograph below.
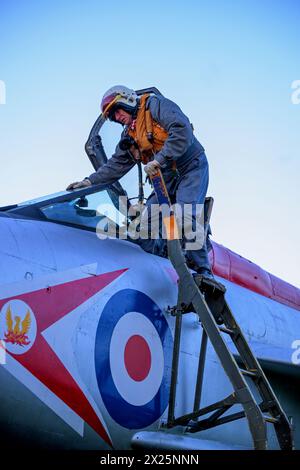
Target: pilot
x=164 y=138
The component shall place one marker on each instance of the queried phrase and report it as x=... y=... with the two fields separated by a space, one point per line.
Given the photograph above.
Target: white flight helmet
x=119 y=96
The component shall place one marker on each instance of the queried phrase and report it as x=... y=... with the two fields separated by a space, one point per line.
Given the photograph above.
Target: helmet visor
x=107 y=104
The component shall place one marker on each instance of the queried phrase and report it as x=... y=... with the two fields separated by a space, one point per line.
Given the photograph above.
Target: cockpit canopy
x=87 y=208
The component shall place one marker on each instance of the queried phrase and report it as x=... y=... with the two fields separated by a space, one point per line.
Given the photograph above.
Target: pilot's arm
x=117 y=166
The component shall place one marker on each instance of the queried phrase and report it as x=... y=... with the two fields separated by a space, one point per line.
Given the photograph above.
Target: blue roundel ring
x=126 y=414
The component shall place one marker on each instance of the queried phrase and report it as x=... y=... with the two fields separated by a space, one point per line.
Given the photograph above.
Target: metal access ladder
x=207 y=299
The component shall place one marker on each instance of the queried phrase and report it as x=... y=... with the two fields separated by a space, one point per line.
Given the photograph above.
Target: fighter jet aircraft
x=87 y=335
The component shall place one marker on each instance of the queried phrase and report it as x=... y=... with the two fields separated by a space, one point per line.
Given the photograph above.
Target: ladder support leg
x=200 y=373
x=175 y=362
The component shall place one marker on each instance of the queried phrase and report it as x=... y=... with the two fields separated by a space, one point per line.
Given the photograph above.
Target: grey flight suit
x=190 y=184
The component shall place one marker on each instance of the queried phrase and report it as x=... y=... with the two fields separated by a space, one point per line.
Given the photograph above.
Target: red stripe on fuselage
x=235 y=268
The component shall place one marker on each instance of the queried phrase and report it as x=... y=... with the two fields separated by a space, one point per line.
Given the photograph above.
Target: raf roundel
x=133 y=354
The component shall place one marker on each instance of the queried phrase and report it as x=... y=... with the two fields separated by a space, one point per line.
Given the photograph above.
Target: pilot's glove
x=79 y=184
x=152 y=167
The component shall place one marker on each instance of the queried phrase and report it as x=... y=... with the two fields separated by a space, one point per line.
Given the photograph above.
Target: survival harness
x=147 y=133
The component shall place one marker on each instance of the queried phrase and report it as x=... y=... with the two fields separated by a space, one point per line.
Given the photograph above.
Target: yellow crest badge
x=17 y=326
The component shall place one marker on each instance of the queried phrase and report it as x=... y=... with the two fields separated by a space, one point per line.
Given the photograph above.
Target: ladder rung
x=226 y=330
x=270 y=419
x=251 y=373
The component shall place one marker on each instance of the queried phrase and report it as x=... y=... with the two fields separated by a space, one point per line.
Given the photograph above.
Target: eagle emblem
x=17 y=331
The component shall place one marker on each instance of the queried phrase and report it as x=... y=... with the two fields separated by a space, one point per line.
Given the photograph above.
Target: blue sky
x=228 y=64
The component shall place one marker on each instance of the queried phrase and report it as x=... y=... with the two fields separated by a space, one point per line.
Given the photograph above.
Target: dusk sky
x=232 y=66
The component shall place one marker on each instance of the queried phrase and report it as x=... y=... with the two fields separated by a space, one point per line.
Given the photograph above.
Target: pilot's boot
x=213 y=292
x=206 y=273
x=208 y=283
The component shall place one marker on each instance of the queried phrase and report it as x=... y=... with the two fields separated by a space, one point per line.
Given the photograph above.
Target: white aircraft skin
x=89 y=366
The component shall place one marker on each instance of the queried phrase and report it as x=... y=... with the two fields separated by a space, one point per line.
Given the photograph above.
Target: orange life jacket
x=148 y=134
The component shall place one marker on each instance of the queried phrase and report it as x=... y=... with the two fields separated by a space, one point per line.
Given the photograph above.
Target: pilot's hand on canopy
x=152 y=167
x=79 y=184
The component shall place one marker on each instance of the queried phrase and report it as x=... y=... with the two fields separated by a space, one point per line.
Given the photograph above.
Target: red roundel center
x=137 y=357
